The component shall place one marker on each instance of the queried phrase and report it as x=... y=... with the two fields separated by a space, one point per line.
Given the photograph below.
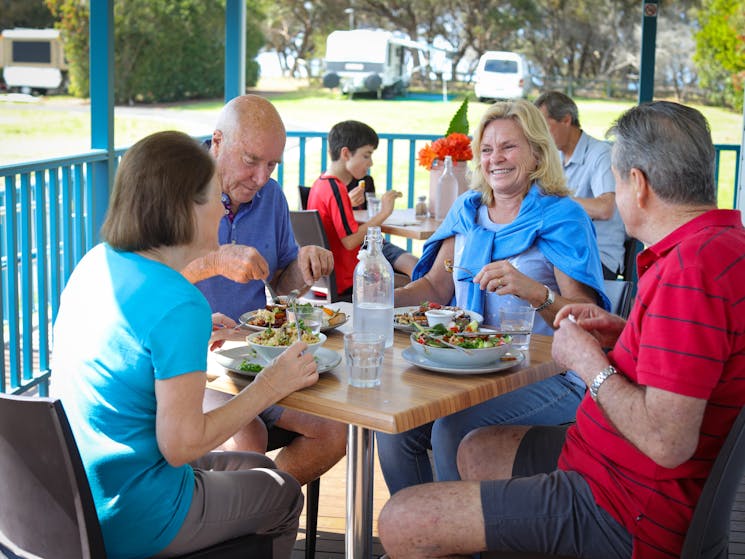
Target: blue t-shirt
x=123 y=322
x=588 y=173
x=263 y=223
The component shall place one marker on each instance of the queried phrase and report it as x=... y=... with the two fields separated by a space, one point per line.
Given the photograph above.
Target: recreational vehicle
x=365 y=60
x=32 y=60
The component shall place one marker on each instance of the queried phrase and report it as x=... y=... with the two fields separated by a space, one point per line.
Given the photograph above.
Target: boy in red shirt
x=351 y=145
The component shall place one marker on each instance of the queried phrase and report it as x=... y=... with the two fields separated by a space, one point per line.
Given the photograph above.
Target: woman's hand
x=503 y=278
x=294 y=369
x=604 y=326
x=223 y=328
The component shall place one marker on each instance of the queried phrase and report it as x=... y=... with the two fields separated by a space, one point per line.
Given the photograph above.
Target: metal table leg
x=360 y=456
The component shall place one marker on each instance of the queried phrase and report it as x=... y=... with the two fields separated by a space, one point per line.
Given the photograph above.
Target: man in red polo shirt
x=624 y=480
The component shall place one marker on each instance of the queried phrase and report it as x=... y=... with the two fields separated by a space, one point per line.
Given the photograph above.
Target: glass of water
x=515 y=319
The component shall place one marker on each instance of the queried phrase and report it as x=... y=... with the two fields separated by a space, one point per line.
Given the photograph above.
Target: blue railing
x=45 y=209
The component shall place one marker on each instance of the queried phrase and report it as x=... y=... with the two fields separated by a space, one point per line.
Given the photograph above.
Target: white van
x=501 y=75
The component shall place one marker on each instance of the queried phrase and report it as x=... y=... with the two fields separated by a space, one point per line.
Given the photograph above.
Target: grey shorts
x=548 y=510
x=271 y=415
x=237 y=493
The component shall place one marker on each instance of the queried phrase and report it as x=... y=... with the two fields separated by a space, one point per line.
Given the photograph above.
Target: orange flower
x=456 y=145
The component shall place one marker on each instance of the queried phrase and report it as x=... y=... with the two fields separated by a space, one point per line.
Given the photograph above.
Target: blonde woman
x=525 y=240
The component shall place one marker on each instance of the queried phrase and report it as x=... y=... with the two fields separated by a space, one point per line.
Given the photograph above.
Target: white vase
x=461 y=172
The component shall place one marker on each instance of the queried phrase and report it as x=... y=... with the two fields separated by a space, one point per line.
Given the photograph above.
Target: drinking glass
x=312 y=317
x=373 y=205
x=517 y=319
x=364 y=356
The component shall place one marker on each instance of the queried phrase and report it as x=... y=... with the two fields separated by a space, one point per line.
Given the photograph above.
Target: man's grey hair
x=558 y=106
x=671 y=144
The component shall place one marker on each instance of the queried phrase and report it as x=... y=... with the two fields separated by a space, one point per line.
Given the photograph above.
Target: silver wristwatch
x=550 y=297
x=601 y=377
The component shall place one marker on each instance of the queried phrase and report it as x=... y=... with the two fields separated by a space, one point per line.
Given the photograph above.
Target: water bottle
x=447 y=189
x=372 y=289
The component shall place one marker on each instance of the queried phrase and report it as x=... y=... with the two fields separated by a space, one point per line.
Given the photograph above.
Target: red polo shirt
x=686 y=334
x=330 y=197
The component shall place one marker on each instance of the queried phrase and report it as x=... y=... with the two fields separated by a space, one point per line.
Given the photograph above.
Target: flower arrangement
x=456 y=142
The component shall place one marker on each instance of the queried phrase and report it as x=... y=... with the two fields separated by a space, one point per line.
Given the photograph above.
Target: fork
x=448 y=344
x=449 y=267
x=273 y=294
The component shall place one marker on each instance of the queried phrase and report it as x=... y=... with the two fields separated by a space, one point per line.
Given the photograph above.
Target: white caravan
x=32 y=59
x=501 y=75
x=366 y=60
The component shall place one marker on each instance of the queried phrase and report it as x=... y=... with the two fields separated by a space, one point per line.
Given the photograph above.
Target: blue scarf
x=557 y=225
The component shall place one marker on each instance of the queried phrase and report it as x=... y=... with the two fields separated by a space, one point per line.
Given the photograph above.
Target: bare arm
x=240 y=263
x=661 y=424
x=601 y=208
x=312 y=263
x=185 y=433
x=503 y=278
x=436 y=285
x=387 y=203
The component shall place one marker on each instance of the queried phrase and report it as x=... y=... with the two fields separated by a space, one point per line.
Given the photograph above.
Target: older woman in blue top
x=525 y=239
x=129 y=361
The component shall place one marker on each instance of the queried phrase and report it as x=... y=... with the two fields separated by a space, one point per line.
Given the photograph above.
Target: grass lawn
x=56 y=126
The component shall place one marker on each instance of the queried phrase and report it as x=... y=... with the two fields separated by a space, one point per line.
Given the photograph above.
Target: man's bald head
x=248 y=143
x=248 y=114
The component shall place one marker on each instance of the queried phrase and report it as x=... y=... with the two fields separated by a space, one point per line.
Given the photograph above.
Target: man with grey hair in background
x=623 y=481
x=586 y=162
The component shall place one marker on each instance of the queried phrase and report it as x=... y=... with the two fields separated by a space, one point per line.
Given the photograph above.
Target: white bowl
x=454 y=357
x=439 y=316
x=269 y=352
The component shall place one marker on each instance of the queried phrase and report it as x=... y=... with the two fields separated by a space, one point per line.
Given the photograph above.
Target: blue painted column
x=102 y=113
x=235 y=48
x=649 y=38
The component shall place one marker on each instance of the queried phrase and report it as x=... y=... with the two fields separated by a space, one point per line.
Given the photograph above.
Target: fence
x=45 y=230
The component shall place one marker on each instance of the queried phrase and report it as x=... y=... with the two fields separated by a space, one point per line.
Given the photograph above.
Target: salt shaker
x=421 y=210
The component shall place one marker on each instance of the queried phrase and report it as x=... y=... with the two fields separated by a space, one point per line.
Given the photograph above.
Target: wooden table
x=406 y=398
x=404 y=224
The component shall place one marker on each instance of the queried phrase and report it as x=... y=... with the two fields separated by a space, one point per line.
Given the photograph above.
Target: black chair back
x=304 y=192
x=308 y=229
x=47 y=509
x=708 y=534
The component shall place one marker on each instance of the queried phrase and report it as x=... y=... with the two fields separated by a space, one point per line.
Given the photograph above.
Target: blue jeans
x=403 y=457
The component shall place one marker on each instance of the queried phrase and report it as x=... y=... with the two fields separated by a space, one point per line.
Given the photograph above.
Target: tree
x=24 y=13
x=674 y=54
x=165 y=50
x=720 y=50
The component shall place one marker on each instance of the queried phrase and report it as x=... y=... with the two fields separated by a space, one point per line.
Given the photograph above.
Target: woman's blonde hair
x=548 y=172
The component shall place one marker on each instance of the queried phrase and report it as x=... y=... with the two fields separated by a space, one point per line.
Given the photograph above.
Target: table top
x=408 y=396
x=403 y=224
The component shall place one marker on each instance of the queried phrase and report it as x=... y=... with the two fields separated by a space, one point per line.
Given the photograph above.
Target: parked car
x=502 y=75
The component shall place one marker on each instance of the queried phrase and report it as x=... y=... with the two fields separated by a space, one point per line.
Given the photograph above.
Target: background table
x=403 y=223
x=406 y=398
